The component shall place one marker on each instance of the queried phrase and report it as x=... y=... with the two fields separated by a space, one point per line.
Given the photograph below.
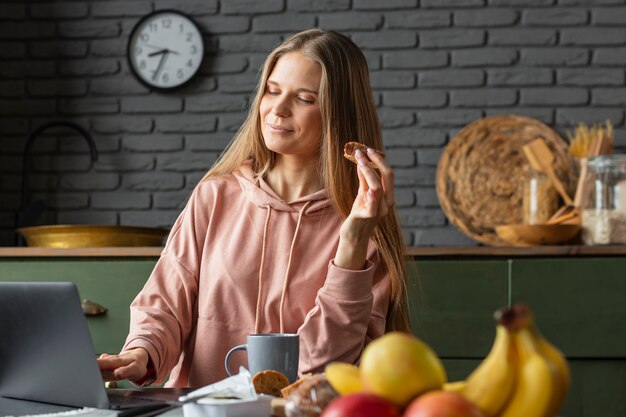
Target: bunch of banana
x=523 y=374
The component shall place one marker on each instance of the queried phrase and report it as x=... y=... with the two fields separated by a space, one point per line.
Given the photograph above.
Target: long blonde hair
x=348 y=113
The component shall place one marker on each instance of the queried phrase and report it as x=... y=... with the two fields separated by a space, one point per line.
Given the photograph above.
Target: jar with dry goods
x=604 y=201
x=540 y=198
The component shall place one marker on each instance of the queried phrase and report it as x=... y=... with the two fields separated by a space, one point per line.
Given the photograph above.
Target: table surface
x=14 y=407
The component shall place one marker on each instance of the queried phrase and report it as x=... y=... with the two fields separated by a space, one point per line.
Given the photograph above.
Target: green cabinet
x=451 y=304
x=579 y=304
x=598 y=388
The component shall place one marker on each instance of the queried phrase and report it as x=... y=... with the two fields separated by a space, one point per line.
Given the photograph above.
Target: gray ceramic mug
x=275 y=351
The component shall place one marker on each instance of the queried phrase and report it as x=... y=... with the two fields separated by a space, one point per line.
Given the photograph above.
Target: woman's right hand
x=130 y=364
x=374 y=200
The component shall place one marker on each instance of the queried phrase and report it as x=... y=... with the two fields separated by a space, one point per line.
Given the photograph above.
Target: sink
x=81 y=236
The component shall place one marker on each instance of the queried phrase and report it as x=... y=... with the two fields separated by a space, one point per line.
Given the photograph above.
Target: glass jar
x=604 y=201
x=540 y=198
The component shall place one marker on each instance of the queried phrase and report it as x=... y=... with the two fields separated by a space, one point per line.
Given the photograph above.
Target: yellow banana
x=558 y=361
x=455 y=386
x=490 y=385
x=536 y=379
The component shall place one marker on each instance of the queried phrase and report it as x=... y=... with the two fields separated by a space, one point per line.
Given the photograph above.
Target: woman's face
x=291 y=121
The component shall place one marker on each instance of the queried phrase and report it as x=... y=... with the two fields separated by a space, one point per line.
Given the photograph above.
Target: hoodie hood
x=260 y=194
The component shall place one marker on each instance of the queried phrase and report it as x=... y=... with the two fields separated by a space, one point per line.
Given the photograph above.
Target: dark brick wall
x=436 y=65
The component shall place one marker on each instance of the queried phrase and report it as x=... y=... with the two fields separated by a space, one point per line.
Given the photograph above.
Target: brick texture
x=435 y=66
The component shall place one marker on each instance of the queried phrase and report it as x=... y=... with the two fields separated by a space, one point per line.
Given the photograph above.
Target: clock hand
x=151 y=46
x=162 y=51
x=160 y=66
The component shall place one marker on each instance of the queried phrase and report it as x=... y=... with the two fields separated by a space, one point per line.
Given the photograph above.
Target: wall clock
x=165 y=50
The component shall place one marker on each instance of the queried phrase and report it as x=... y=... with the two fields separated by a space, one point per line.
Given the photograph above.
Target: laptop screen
x=46 y=352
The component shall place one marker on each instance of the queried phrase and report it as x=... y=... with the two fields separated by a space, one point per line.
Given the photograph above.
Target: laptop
x=47 y=355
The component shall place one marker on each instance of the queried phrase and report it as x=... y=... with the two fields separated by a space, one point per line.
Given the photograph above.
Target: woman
x=282 y=234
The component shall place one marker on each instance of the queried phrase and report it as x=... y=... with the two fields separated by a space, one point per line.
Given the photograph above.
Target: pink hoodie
x=239 y=260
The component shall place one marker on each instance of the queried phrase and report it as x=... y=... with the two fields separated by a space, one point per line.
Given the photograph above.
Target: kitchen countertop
x=415 y=251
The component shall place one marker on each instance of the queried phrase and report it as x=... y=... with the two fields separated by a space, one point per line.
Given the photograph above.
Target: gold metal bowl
x=82 y=236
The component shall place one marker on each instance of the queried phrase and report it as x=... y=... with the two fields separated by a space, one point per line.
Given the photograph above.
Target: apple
x=361 y=405
x=441 y=404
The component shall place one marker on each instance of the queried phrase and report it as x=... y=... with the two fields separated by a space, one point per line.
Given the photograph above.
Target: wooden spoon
x=565 y=215
x=580 y=186
x=600 y=145
x=541 y=158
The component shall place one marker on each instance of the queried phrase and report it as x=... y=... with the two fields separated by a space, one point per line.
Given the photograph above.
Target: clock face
x=165 y=49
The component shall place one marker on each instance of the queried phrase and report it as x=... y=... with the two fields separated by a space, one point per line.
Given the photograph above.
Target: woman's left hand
x=374 y=200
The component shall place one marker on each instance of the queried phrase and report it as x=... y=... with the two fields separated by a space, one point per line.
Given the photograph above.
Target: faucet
x=30 y=211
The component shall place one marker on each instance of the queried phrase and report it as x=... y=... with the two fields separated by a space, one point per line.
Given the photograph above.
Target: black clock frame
x=132 y=34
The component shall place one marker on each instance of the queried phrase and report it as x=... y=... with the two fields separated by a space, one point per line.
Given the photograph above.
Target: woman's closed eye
x=306 y=100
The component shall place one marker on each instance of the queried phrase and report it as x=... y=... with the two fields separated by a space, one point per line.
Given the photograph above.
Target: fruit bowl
x=82 y=236
x=537 y=234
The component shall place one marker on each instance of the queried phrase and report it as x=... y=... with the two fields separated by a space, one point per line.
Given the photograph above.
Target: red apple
x=361 y=405
x=441 y=404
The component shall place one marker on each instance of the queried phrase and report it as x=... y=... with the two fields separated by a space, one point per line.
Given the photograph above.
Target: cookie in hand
x=350 y=149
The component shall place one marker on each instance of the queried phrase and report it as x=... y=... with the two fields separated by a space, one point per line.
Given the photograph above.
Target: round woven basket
x=480 y=176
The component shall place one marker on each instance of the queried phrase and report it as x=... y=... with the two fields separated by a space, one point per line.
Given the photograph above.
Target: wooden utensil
x=580 y=185
x=541 y=158
x=565 y=215
x=600 y=145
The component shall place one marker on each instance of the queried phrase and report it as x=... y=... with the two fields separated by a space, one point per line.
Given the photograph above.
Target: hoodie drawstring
x=285 y=280
x=259 y=293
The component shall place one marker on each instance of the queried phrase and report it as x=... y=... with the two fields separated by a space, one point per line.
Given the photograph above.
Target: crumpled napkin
x=238 y=387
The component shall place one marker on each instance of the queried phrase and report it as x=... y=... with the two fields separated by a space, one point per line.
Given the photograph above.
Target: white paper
x=231 y=397
x=238 y=387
